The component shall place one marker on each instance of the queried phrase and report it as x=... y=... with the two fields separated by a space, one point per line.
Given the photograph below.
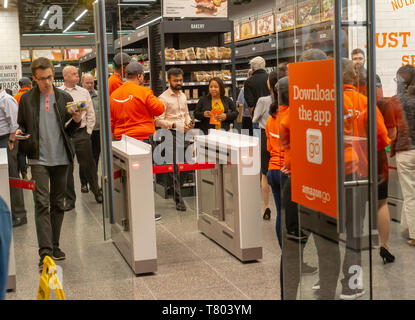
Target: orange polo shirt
x=272 y=130
x=132 y=110
x=284 y=131
x=359 y=101
x=114 y=82
x=20 y=93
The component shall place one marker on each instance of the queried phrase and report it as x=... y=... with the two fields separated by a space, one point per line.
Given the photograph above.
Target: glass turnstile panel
x=208 y=194
x=230 y=194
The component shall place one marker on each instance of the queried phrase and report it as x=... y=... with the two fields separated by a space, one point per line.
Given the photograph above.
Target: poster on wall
x=285 y=20
x=195 y=8
x=327 y=10
x=237 y=29
x=308 y=12
x=228 y=37
x=76 y=54
x=51 y=54
x=313 y=135
x=9 y=76
x=248 y=29
x=265 y=24
x=25 y=55
x=395 y=41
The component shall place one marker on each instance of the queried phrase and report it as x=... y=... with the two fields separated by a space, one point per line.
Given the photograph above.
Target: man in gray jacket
x=8 y=127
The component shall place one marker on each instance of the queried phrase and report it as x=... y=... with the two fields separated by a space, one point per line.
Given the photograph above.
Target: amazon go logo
x=314 y=146
x=313 y=194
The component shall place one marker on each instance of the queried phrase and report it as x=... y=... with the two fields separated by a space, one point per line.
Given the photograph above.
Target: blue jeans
x=274 y=180
x=5 y=239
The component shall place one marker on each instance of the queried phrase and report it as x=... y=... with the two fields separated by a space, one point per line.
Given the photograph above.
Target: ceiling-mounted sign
x=195 y=8
x=9 y=76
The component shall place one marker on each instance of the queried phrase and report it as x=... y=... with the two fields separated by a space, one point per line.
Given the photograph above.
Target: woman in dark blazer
x=215 y=111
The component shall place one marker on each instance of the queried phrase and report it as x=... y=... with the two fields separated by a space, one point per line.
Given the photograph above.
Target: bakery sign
x=195 y=8
x=9 y=76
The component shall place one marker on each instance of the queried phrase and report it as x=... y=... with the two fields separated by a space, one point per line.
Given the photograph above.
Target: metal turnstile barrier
x=228 y=195
x=134 y=231
x=5 y=194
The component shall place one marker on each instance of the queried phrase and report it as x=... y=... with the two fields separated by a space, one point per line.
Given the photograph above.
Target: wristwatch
x=11 y=141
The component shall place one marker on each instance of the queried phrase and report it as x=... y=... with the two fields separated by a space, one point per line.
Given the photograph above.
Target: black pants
x=96 y=151
x=82 y=143
x=21 y=160
x=49 y=204
x=181 y=145
x=247 y=125
x=16 y=195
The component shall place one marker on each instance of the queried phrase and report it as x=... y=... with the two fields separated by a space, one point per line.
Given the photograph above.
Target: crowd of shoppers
x=36 y=124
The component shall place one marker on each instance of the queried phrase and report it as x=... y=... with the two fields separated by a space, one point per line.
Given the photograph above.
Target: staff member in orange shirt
x=25 y=85
x=116 y=79
x=133 y=107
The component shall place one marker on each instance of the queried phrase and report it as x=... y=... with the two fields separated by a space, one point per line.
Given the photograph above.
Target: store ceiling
x=32 y=12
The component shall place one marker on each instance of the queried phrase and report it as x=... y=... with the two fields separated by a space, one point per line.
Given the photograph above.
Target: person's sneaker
x=316 y=286
x=19 y=222
x=351 y=294
x=58 y=254
x=84 y=189
x=180 y=206
x=296 y=235
x=157 y=217
x=306 y=269
x=98 y=197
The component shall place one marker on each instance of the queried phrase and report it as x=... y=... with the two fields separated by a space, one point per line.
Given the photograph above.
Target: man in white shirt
x=8 y=127
x=175 y=118
x=81 y=139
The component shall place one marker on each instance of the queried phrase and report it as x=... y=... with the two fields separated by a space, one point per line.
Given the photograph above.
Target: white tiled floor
x=190 y=266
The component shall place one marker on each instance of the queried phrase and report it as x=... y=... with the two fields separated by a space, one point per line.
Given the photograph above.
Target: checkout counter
x=228 y=196
x=133 y=230
x=5 y=194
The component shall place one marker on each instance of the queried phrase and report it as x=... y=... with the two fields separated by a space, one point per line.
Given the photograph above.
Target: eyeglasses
x=50 y=78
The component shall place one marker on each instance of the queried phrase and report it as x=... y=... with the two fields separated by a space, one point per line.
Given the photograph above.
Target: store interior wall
x=10 y=53
x=59 y=41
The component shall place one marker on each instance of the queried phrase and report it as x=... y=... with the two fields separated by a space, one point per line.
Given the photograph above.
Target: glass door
x=328 y=171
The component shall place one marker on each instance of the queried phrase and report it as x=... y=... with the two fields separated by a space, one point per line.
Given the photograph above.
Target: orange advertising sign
x=313 y=135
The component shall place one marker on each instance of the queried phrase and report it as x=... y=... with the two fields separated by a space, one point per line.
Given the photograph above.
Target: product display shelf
x=184 y=34
x=137 y=45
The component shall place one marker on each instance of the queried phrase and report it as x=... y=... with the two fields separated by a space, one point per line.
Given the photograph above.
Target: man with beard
x=176 y=119
x=359 y=60
x=404 y=146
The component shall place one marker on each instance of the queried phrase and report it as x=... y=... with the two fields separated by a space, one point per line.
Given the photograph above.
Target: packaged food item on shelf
x=224 y=53
x=170 y=54
x=200 y=53
x=195 y=93
x=181 y=55
x=196 y=76
x=212 y=53
x=217 y=74
x=226 y=75
x=190 y=53
x=187 y=93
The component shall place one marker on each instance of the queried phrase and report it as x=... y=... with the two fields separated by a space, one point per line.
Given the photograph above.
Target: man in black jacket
x=47 y=124
x=256 y=86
